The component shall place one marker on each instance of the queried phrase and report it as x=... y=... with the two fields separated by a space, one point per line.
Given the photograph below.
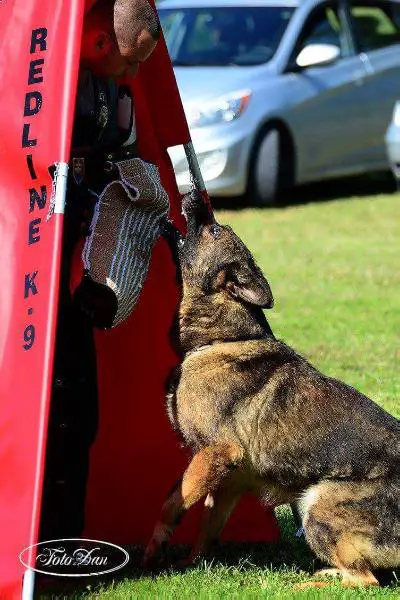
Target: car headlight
x=224 y=109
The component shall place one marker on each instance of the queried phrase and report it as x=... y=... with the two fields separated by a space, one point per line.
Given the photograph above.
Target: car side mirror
x=316 y=55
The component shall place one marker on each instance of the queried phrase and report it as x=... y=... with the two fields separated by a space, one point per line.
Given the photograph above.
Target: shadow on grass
x=291 y=552
x=337 y=189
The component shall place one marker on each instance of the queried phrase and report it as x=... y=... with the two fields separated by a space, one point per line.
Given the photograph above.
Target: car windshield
x=212 y=36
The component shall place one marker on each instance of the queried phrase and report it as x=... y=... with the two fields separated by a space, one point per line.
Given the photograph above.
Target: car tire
x=266 y=170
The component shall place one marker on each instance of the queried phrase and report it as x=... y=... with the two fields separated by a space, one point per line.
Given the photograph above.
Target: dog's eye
x=215 y=230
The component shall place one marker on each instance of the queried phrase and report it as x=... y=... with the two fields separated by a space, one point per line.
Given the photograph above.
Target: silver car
x=393 y=142
x=281 y=92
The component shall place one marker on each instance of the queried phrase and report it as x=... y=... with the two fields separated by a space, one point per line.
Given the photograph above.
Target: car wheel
x=265 y=173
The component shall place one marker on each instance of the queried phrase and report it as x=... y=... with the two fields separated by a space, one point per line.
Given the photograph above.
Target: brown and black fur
x=259 y=418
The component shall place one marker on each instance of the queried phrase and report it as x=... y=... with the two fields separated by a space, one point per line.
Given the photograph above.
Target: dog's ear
x=252 y=287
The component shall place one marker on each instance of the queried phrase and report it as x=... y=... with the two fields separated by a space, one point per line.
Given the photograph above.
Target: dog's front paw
x=155 y=553
x=184 y=563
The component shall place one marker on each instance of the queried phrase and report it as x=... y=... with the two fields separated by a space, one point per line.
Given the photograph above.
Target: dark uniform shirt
x=103 y=114
x=103 y=122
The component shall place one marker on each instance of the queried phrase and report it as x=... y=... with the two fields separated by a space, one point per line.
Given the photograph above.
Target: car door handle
x=369 y=69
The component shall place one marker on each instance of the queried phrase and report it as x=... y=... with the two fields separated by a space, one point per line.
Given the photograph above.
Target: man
x=117 y=37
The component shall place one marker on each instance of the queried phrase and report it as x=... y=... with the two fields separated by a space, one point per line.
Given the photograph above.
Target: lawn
x=334 y=268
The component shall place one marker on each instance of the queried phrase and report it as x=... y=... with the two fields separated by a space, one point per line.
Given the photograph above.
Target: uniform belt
x=89 y=164
x=106 y=153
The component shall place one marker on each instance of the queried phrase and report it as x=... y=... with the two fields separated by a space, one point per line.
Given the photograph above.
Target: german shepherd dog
x=259 y=418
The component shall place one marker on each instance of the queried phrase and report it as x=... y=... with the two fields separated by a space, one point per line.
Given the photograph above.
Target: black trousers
x=73 y=410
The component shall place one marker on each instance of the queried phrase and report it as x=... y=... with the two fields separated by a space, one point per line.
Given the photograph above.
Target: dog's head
x=214 y=259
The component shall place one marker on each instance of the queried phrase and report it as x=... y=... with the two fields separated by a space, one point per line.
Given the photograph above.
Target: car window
x=202 y=35
x=376 y=25
x=214 y=36
x=171 y=22
x=324 y=26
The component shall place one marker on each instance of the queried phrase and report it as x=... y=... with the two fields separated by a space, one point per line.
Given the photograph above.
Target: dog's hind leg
x=341 y=528
x=203 y=476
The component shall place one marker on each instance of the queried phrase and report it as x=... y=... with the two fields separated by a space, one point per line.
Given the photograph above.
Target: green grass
x=334 y=269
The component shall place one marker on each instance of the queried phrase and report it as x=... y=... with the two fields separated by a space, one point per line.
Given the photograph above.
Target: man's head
x=118 y=36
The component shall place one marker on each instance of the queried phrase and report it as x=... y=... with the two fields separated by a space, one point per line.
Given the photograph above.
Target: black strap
x=102 y=110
